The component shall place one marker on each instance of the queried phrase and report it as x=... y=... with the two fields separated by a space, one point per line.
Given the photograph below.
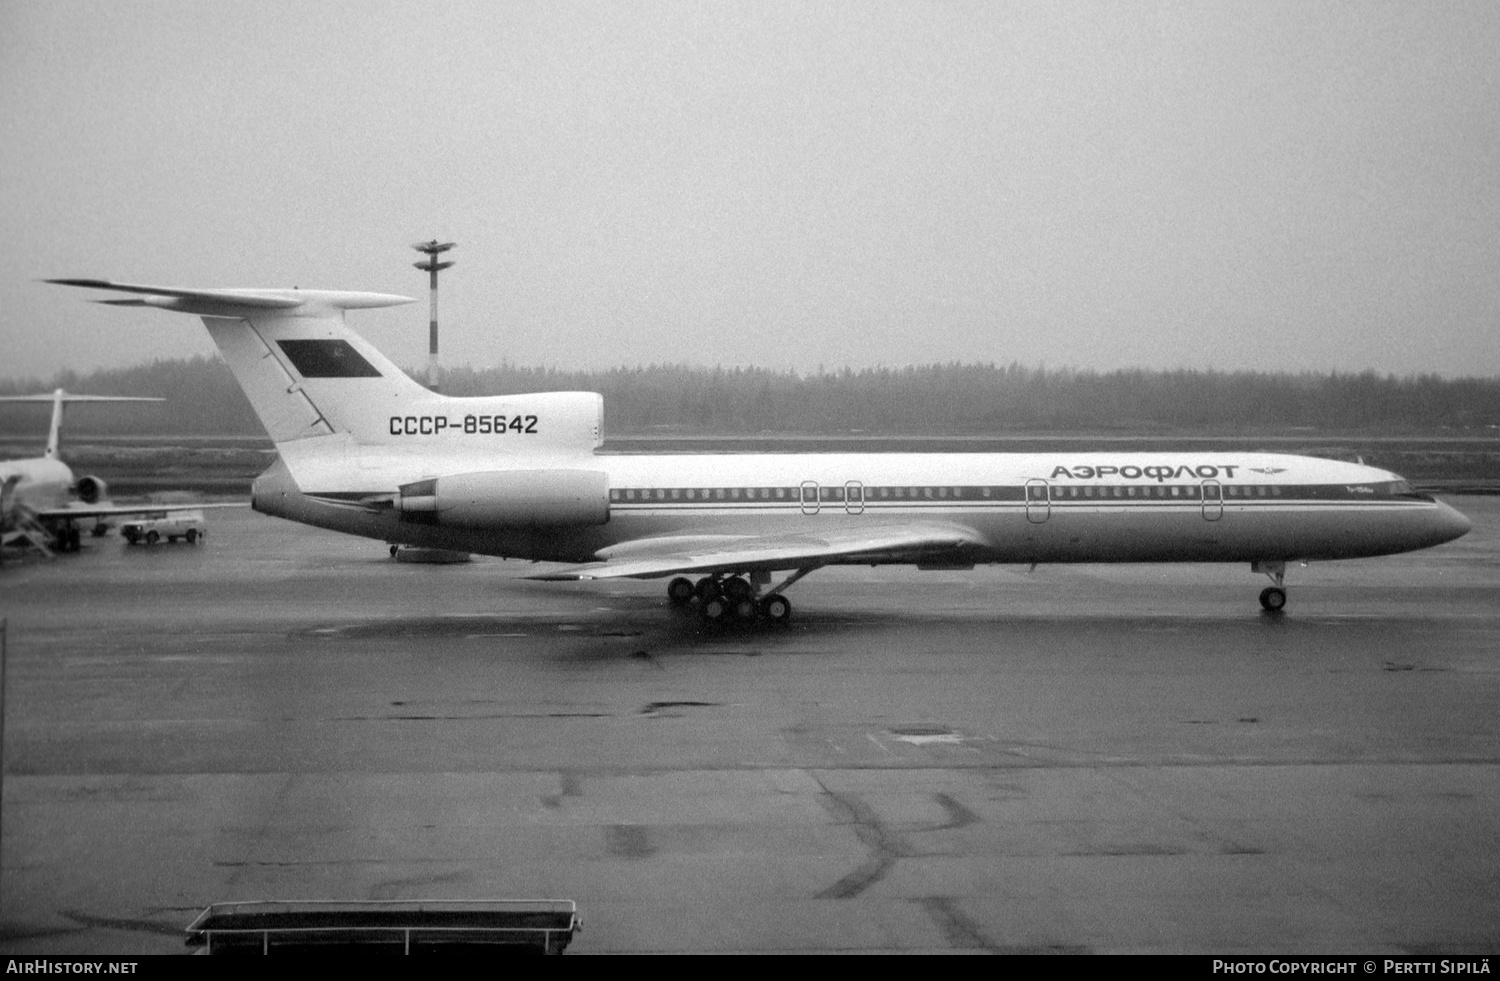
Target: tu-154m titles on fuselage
x=366 y=450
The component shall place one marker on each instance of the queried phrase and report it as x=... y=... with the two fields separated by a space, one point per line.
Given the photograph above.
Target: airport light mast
x=432 y=266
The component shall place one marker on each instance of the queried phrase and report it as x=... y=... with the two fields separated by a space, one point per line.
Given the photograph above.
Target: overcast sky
x=1281 y=186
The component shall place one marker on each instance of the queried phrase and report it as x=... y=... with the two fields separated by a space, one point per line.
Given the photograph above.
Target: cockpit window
x=1402 y=488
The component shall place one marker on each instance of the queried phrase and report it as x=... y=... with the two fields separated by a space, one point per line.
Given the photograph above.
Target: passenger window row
x=705 y=494
x=1036 y=492
x=806 y=493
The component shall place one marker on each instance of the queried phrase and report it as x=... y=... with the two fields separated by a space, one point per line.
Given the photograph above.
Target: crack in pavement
x=884 y=846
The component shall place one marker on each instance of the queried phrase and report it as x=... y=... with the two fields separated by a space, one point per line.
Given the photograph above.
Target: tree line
x=926 y=400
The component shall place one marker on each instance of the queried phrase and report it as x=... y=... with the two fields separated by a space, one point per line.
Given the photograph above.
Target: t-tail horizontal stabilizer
x=223 y=302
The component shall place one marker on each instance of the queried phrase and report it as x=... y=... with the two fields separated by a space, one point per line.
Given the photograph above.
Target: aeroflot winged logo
x=1159 y=474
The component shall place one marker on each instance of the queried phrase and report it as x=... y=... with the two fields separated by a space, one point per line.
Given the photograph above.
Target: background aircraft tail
x=60 y=398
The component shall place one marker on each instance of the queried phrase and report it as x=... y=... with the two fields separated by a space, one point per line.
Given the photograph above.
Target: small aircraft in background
x=366 y=450
x=42 y=503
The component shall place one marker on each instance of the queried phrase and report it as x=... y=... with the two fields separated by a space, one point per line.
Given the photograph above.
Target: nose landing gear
x=1272 y=598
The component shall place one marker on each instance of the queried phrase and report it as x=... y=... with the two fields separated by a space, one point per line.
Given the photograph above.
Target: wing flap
x=653 y=558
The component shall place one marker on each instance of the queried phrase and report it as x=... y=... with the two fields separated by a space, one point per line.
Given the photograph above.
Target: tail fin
x=345 y=419
x=306 y=373
x=58 y=399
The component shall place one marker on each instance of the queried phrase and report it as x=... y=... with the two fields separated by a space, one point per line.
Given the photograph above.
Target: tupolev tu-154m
x=366 y=450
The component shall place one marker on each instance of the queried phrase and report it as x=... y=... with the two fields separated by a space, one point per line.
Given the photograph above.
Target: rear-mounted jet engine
x=508 y=499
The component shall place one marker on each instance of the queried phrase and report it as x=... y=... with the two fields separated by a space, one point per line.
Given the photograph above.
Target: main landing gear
x=1272 y=598
x=68 y=539
x=734 y=599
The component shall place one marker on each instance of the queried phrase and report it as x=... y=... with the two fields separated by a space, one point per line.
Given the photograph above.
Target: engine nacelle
x=508 y=499
x=91 y=490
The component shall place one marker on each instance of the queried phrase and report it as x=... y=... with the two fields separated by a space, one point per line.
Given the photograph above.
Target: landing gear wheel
x=394 y=550
x=776 y=609
x=680 y=591
x=1273 y=598
x=736 y=589
x=743 y=609
x=715 y=610
x=191 y=536
x=707 y=588
x=152 y=538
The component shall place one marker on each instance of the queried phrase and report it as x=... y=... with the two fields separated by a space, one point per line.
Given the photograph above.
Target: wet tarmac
x=1078 y=759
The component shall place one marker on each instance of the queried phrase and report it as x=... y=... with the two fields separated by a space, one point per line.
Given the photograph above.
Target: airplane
x=42 y=502
x=364 y=449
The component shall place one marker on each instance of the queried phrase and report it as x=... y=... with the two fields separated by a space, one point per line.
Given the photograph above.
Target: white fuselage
x=1092 y=507
x=43 y=483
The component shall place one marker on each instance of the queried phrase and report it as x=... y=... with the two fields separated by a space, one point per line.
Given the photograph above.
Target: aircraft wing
x=649 y=558
x=115 y=510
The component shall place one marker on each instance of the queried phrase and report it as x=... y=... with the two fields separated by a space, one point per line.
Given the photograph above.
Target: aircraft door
x=1038 y=501
x=810 y=497
x=1213 y=500
x=854 y=497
